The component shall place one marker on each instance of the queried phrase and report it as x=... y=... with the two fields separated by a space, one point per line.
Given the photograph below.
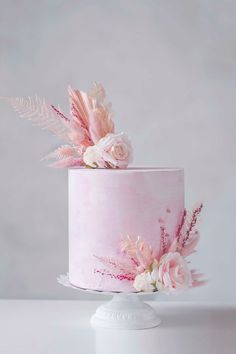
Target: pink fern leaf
x=40 y=114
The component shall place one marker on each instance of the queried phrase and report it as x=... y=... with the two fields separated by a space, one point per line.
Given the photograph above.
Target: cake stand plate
x=123 y=311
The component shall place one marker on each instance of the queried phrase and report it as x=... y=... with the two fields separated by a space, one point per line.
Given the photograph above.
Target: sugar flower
x=114 y=150
x=173 y=273
x=143 y=282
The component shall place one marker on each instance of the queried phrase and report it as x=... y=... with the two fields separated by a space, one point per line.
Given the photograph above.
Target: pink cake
x=106 y=204
x=128 y=229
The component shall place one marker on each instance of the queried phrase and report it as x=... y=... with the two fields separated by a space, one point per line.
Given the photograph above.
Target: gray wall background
x=169 y=70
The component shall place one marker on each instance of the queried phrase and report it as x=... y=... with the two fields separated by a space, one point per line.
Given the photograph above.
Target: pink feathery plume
x=62 y=152
x=68 y=162
x=197 y=279
x=66 y=156
x=174 y=246
x=189 y=247
x=100 y=116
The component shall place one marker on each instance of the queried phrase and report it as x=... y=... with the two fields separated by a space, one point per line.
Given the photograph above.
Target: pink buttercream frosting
x=106 y=204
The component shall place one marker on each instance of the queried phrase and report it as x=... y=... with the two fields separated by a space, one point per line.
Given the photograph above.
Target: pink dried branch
x=191 y=224
x=186 y=237
x=115 y=264
x=59 y=113
x=125 y=276
x=179 y=229
x=164 y=241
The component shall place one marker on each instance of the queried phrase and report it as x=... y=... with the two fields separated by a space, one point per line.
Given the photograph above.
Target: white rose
x=114 y=150
x=92 y=157
x=143 y=282
x=155 y=276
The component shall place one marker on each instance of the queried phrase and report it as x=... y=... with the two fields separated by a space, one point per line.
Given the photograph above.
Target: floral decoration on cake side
x=88 y=131
x=166 y=271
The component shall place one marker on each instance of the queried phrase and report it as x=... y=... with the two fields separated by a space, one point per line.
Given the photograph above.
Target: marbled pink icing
x=105 y=204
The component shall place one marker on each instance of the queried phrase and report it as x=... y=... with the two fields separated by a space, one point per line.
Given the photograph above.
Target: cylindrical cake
x=108 y=204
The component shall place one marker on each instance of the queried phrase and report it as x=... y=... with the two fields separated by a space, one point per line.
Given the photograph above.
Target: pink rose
x=174 y=273
x=114 y=150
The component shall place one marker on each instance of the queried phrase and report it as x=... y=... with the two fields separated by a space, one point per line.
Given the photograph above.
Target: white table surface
x=62 y=327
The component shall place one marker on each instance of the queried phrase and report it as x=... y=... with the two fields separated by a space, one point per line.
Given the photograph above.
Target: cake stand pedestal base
x=124 y=311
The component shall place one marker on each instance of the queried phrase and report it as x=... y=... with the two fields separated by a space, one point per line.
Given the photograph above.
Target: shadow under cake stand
x=123 y=311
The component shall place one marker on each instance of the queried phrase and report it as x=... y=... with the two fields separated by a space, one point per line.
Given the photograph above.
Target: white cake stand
x=124 y=311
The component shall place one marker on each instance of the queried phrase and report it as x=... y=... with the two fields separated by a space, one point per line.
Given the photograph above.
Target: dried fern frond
x=40 y=114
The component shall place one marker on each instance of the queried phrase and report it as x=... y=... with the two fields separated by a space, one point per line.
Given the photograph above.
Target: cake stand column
x=125 y=311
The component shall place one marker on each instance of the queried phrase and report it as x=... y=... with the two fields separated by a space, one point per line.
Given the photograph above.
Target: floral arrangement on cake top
x=165 y=271
x=88 y=131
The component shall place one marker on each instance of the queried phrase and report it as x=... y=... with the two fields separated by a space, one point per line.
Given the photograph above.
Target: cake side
x=105 y=205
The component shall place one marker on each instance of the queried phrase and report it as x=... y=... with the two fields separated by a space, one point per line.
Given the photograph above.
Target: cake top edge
x=131 y=169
